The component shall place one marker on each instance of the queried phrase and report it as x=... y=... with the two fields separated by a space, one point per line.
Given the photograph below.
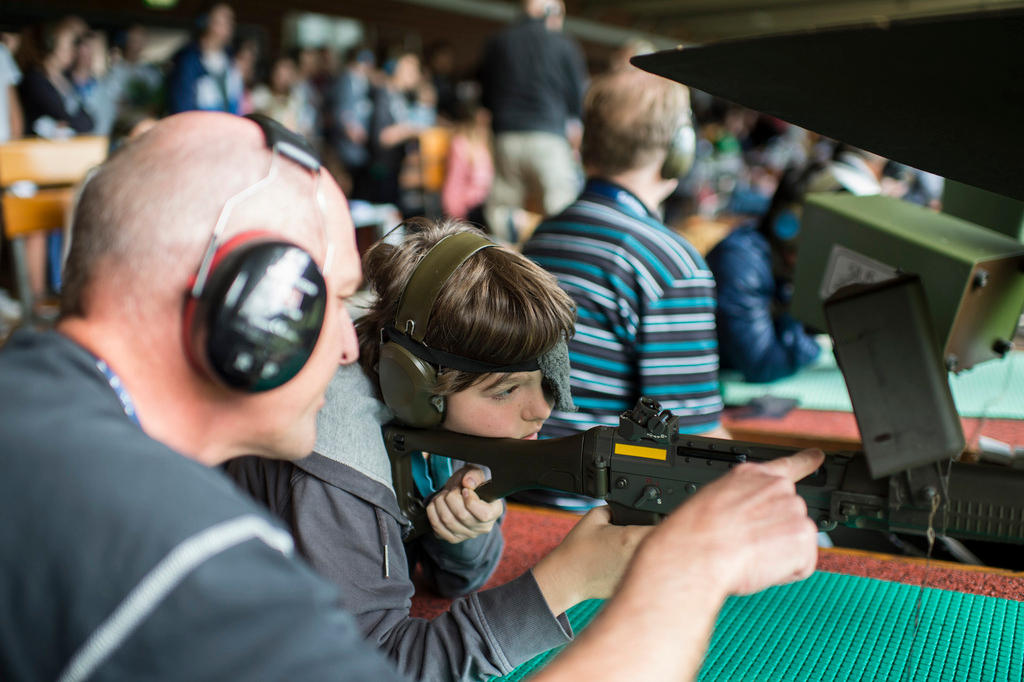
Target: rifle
x=645 y=468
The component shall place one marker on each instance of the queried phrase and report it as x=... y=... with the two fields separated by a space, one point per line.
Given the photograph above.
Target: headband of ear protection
x=407 y=367
x=256 y=305
x=682 y=149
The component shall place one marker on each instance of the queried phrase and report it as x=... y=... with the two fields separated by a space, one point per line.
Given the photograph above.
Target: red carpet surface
x=530 y=533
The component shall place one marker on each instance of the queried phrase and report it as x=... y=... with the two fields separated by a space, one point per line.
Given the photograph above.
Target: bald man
x=124 y=558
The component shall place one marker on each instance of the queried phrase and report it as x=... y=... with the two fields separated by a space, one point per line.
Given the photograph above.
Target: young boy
x=503 y=316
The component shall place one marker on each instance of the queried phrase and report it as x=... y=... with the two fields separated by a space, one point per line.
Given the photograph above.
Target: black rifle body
x=644 y=474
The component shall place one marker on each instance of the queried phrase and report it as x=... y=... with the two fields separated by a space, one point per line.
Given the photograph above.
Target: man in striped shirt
x=645 y=297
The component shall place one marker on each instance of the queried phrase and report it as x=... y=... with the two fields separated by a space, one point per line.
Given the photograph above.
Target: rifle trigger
x=650 y=493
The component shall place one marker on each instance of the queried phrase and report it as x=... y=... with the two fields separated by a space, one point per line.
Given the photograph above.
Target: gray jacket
x=343 y=513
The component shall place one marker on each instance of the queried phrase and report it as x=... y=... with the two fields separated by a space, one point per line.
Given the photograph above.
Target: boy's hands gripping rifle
x=644 y=469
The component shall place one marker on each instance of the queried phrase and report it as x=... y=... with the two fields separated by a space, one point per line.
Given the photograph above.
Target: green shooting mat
x=992 y=389
x=841 y=627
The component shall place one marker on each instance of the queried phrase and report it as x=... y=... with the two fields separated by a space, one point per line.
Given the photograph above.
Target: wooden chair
x=37 y=179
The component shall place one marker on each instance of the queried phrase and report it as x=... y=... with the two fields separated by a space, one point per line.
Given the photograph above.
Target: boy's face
x=500 y=406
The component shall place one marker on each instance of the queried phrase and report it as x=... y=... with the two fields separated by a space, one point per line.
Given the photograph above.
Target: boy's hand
x=456 y=513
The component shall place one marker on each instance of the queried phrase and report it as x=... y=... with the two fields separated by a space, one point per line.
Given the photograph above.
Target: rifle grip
x=489 y=492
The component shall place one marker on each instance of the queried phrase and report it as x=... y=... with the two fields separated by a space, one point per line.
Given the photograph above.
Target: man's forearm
x=644 y=633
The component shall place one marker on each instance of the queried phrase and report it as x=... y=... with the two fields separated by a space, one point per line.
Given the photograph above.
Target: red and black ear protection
x=256 y=306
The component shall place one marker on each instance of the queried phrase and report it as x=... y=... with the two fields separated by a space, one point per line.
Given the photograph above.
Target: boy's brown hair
x=497 y=307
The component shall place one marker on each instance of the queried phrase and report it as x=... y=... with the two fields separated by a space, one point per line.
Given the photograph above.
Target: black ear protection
x=407 y=375
x=256 y=305
x=682 y=148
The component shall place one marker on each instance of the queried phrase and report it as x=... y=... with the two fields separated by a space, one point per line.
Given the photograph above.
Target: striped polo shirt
x=646 y=312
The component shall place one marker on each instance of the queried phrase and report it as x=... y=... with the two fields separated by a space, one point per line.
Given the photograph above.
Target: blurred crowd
x=413 y=132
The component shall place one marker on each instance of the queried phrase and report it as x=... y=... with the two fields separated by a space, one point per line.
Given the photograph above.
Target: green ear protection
x=406 y=379
x=682 y=149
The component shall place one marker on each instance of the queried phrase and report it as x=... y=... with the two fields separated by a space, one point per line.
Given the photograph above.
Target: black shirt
x=40 y=98
x=124 y=560
x=533 y=79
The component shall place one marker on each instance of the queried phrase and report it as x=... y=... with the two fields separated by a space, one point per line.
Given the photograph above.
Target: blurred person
x=469 y=171
x=533 y=81
x=203 y=75
x=440 y=67
x=11 y=128
x=423 y=104
x=88 y=75
x=645 y=296
x=52 y=108
x=393 y=130
x=753 y=268
x=310 y=88
x=12 y=121
x=51 y=105
x=136 y=83
x=246 y=60
x=199 y=582
x=351 y=112
x=278 y=99
x=854 y=170
x=9 y=38
x=922 y=188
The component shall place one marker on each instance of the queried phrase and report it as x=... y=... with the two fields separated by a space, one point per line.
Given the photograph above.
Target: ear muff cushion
x=259 y=316
x=681 y=151
x=407 y=385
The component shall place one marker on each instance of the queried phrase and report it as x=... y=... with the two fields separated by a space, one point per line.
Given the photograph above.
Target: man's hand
x=745 y=532
x=742 y=533
x=457 y=513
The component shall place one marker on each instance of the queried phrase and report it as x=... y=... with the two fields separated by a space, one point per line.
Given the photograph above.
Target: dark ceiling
x=600 y=25
x=701 y=21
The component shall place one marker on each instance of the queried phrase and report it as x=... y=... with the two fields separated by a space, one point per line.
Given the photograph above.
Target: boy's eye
x=501 y=395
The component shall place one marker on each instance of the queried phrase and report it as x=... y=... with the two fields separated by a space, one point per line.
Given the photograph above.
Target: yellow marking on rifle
x=641 y=451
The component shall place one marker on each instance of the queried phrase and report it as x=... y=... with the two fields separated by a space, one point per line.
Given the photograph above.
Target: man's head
x=140 y=232
x=497 y=308
x=629 y=120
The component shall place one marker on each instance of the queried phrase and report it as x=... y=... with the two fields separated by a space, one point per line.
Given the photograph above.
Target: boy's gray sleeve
x=359 y=546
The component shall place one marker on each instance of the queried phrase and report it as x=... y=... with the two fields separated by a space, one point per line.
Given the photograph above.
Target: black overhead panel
x=944 y=95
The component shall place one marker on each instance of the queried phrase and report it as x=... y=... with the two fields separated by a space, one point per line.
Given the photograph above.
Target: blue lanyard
x=119 y=390
x=623 y=197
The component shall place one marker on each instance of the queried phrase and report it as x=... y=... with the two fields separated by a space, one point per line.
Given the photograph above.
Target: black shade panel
x=944 y=95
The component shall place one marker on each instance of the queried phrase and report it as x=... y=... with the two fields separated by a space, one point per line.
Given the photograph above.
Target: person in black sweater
x=47 y=96
x=533 y=78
